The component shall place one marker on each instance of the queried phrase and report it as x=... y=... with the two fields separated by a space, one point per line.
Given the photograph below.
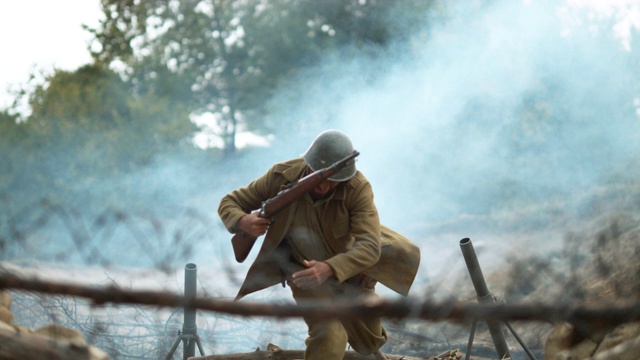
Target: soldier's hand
x=253 y=224
x=316 y=274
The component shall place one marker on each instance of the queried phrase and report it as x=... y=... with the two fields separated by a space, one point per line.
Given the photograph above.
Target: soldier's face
x=323 y=189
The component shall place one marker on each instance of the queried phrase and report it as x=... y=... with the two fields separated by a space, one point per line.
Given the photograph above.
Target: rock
x=566 y=343
x=5 y=300
x=50 y=341
x=620 y=335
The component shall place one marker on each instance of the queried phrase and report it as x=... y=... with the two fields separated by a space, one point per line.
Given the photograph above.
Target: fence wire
x=116 y=277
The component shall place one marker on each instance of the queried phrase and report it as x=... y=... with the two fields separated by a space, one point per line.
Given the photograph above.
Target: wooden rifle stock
x=242 y=245
x=243 y=242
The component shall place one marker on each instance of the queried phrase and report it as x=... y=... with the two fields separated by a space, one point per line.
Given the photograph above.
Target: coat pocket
x=339 y=237
x=340 y=229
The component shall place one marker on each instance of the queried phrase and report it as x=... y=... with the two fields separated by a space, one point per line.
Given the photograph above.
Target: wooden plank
x=275 y=353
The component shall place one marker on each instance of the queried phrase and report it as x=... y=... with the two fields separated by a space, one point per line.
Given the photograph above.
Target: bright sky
x=42 y=34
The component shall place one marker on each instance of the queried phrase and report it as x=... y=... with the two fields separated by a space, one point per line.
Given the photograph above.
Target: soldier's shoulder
x=290 y=169
x=288 y=164
x=358 y=180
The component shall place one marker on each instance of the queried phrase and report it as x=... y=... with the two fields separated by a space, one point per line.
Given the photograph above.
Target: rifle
x=243 y=242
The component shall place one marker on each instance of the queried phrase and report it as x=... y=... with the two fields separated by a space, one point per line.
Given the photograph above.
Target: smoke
x=500 y=107
x=490 y=119
x=501 y=118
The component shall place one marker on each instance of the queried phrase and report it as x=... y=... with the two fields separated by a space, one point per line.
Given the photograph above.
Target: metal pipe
x=484 y=296
x=189 y=328
x=520 y=341
x=470 y=342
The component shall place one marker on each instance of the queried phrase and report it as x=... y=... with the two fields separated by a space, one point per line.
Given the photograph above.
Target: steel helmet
x=327 y=148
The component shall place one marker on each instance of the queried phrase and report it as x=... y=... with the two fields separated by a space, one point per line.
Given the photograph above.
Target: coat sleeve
x=246 y=199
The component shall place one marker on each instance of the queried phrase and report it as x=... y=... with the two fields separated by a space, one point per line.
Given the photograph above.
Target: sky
x=43 y=34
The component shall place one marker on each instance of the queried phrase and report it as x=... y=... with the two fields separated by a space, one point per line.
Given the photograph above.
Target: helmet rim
x=327 y=148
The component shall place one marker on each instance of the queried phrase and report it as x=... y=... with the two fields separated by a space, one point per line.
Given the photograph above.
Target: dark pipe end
x=190 y=266
x=465 y=241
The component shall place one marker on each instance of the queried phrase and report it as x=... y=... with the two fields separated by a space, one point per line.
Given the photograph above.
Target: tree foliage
x=157 y=64
x=86 y=126
x=91 y=95
x=227 y=57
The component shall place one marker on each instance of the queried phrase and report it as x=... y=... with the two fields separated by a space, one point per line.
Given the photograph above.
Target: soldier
x=328 y=245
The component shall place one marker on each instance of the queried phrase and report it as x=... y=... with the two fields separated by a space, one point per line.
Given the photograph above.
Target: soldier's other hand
x=316 y=274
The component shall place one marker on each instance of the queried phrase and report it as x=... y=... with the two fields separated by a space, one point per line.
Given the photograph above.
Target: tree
x=85 y=127
x=11 y=134
x=227 y=57
x=91 y=94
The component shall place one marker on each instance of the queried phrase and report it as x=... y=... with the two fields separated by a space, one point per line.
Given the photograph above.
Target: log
x=275 y=353
x=292 y=355
x=604 y=316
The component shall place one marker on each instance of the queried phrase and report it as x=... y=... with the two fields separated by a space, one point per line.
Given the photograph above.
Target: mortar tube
x=189 y=324
x=484 y=296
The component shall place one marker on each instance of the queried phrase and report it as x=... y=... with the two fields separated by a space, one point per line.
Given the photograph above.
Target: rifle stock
x=243 y=242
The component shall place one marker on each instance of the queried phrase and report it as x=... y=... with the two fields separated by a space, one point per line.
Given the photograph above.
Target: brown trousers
x=328 y=337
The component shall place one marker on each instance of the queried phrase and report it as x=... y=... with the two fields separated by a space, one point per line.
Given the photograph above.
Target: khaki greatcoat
x=351 y=229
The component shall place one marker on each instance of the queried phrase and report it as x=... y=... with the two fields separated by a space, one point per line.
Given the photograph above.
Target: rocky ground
x=47 y=342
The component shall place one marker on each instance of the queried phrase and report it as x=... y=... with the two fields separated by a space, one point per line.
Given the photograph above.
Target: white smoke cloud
x=503 y=106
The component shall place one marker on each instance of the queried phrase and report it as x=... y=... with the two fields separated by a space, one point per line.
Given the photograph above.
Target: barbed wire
x=165 y=239
x=602 y=316
x=151 y=238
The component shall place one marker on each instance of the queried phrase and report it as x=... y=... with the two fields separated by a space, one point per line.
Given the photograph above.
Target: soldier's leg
x=365 y=334
x=327 y=338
